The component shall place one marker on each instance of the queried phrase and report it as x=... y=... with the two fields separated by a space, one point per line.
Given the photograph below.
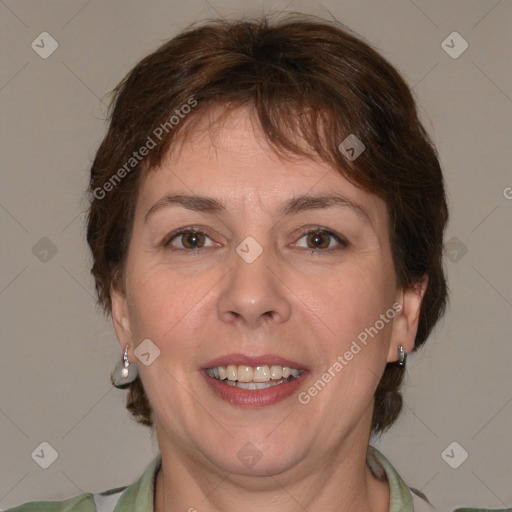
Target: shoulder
x=81 y=503
x=137 y=496
x=420 y=502
x=402 y=497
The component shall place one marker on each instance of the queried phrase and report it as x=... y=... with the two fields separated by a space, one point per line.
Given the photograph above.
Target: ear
x=405 y=324
x=120 y=317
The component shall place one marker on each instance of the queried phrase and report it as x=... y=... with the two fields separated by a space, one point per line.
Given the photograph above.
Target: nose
x=254 y=294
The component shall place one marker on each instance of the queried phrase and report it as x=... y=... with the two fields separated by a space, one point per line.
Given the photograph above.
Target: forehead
x=227 y=156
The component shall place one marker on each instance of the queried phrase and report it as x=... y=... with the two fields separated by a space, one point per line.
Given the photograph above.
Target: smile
x=253 y=377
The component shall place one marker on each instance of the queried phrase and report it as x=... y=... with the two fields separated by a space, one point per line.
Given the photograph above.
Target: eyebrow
x=293 y=206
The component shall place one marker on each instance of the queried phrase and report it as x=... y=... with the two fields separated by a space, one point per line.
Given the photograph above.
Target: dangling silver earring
x=401 y=356
x=124 y=373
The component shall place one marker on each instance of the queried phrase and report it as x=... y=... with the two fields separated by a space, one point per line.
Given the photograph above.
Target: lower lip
x=253 y=398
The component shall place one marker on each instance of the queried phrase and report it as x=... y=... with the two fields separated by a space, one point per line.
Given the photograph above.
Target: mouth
x=254 y=377
x=253 y=381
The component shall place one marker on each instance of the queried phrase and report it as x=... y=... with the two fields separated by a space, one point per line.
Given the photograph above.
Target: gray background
x=58 y=351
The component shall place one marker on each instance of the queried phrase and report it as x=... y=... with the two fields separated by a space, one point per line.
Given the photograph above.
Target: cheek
x=351 y=301
x=353 y=349
x=160 y=300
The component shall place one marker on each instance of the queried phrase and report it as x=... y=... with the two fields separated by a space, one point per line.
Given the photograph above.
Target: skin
x=299 y=302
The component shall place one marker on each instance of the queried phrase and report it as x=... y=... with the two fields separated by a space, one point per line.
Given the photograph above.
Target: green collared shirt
x=138 y=497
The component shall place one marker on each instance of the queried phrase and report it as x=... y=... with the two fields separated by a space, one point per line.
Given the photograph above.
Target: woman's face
x=251 y=292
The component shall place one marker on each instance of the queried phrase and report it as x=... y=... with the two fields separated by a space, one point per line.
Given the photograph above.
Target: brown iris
x=316 y=238
x=195 y=238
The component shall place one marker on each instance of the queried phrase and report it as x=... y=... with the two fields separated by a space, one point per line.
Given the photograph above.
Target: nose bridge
x=253 y=292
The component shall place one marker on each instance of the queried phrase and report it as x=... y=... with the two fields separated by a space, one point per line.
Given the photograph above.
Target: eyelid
x=340 y=239
x=303 y=231
x=180 y=231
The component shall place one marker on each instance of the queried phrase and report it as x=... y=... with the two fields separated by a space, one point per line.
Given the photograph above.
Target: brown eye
x=318 y=239
x=323 y=240
x=192 y=240
x=187 y=239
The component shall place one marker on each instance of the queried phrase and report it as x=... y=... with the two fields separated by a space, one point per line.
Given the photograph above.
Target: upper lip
x=244 y=360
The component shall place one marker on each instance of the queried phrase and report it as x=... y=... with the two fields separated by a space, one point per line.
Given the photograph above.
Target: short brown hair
x=306 y=79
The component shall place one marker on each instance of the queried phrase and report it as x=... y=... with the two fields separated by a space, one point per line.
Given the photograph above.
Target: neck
x=344 y=479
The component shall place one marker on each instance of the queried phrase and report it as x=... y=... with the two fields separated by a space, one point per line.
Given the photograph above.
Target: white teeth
x=261 y=374
x=253 y=375
x=244 y=374
x=258 y=385
x=231 y=373
x=276 y=372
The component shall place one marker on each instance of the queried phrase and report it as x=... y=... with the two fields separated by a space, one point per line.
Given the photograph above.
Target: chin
x=253 y=458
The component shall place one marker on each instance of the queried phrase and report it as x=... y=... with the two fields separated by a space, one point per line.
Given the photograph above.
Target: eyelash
x=343 y=243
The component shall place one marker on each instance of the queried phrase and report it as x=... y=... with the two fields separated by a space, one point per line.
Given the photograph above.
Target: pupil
x=191 y=239
x=316 y=239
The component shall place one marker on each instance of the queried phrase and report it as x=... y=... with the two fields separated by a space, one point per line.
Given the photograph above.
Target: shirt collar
x=400 y=498
x=140 y=495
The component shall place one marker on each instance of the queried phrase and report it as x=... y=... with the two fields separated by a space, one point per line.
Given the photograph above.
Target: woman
x=266 y=223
